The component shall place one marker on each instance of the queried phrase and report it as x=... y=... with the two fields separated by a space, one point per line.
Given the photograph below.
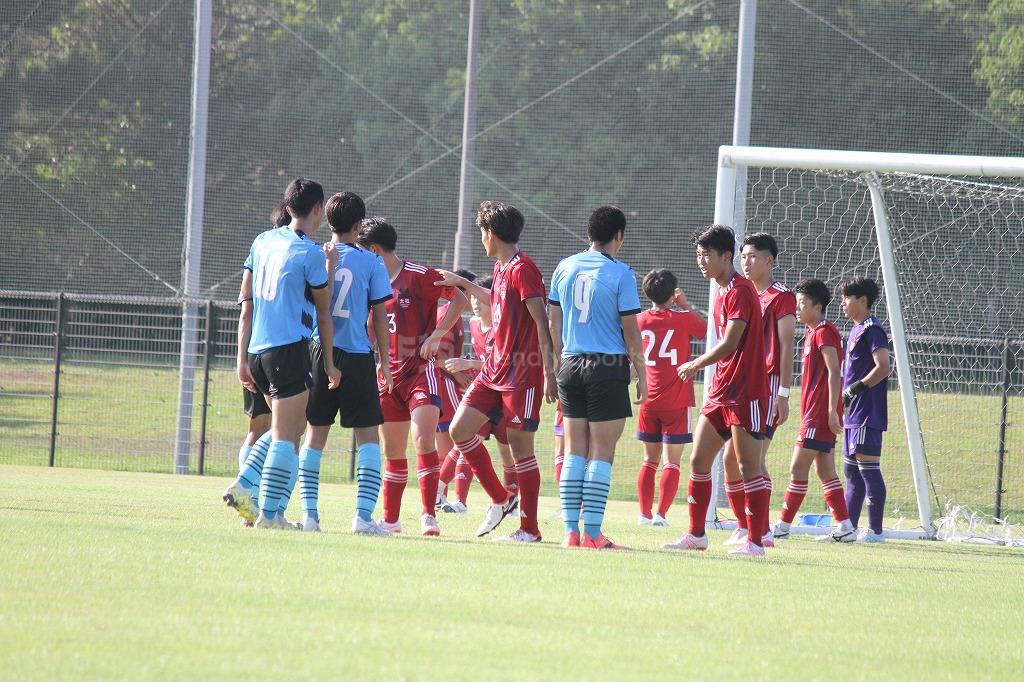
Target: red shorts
x=451 y=396
x=519 y=410
x=664 y=426
x=816 y=438
x=409 y=393
x=559 y=428
x=750 y=416
x=498 y=430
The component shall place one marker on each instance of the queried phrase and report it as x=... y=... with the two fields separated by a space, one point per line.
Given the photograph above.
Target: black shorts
x=594 y=387
x=282 y=371
x=356 y=398
x=253 y=404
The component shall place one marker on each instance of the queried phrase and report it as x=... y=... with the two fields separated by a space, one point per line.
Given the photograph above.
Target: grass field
x=110 y=574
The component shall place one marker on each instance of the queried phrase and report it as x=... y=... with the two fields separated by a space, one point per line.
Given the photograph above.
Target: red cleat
x=600 y=542
x=571 y=539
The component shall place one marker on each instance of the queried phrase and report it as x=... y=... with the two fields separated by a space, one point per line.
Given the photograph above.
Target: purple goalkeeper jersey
x=868 y=408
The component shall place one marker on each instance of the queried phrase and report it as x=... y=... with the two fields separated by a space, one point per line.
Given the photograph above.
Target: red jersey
x=452 y=342
x=777 y=301
x=514 y=361
x=740 y=377
x=412 y=316
x=666 y=336
x=814 y=403
x=481 y=340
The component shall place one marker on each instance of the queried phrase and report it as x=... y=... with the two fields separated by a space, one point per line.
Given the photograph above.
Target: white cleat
x=276 y=523
x=738 y=537
x=393 y=528
x=371 y=527
x=239 y=498
x=459 y=507
x=643 y=520
x=868 y=536
x=748 y=548
x=780 y=531
x=496 y=513
x=844 y=532
x=660 y=521
x=691 y=542
x=519 y=536
x=309 y=525
x=768 y=540
x=442 y=504
x=428 y=526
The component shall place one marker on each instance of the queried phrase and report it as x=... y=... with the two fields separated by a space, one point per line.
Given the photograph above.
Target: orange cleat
x=571 y=539
x=600 y=542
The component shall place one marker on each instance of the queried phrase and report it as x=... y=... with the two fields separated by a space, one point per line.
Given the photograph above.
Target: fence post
x=1005 y=371
x=352 y=458
x=211 y=321
x=58 y=345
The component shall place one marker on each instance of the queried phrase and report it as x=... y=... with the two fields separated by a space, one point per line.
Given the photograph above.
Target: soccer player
x=778 y=316
x=518 y=371
x=866 y=382
x=821 y=413
x=736 y=405
x=594 y=305
x=415 y=396
x=360 y=284
x=663 y=424
x=283 y=267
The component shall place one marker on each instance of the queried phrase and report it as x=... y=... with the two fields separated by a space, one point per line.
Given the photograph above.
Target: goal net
x=943 y=236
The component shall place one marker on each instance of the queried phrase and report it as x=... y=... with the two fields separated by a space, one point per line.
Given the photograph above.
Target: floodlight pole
x=193 y=243
x=468 y=130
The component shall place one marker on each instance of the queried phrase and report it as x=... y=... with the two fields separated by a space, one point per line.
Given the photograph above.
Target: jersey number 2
x=344 y=277
x=663 y=352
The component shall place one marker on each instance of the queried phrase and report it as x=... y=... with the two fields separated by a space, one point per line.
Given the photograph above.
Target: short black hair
x=466 y=274
x=503 y=220
x=762 y=241
x=605 y=222
x=376 y=231
x=344 y=211
x=279 y=216
x=302 y=195
x=861 y=286
x=660 y=285
x=816 y=290
x=718 y=238
x=486 y=282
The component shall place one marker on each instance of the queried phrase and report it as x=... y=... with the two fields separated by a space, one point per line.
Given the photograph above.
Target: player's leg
x=648 y=432
x=799 y=466
x=734 y=493
x=559 y=432
x=321 y=411
x=478 y=405
x=394 y=435
x=832 y=488
x=855 y=488
x=604 y=436
x=445 y=446
x=523 y=418
x=243 y=493
x=869 y=457
x=709 y=436
x=747 y=443
x=668 y=484
x=572 y=398
x=428 y=466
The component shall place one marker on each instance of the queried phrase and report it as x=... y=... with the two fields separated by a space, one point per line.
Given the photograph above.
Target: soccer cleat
x=442 y=504
x=246 y=523
x=768 y=540
x=868 y=536
x=519 y=536
x=748 y=548
x=643 y=520
x=738 y=537
x=371 y=527
x=278 y=522
x=458 y=507
x=600 y=542
x=428 y=526
x=780 y=531
x=239 y=498
x=571 y=539
x=689 y=542
x=281 y=517
x=395 y=527
x=496 y=513
x=309 y=525
x=844 y=532
x=660 y=521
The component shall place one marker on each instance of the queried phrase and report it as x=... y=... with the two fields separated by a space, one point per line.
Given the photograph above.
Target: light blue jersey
x=360 y=280
x=283 y=264
x=593 y=290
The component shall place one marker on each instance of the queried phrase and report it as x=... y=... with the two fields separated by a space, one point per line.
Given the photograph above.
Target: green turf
x=109 y=574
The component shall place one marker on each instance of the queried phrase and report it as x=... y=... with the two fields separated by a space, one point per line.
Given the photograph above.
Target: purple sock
x=854 y=490
x=871 y=472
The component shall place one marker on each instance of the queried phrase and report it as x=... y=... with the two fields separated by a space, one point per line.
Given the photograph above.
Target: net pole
x=468 y=131
x=193 y=243
x=908 y=399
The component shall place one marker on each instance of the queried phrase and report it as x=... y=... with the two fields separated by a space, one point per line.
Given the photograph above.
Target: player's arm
x=555 y=328
x=835 y=383
x=635 y=346
x=245 y=331
x=679 y=300
x=382 y=334
x=535 y=306
x=325 y=323
x=730 y=342
x=452 y=314
x=450 y=279
x=881 y=370
x=459 y=365
x=786 y=327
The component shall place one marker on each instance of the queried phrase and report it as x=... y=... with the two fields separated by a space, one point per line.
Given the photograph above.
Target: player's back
x=284 y=264
x=740 y=377
x=592 y=289
x=360 y=281
x=666 y=334
x=412 y=316
x=814 y=396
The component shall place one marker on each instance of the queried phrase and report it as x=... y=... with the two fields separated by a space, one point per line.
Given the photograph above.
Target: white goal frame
x=730 y=196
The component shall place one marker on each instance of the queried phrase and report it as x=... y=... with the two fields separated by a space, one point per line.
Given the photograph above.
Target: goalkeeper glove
x=852 y=390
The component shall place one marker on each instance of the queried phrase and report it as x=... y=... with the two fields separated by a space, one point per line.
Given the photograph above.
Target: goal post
x=895 y=217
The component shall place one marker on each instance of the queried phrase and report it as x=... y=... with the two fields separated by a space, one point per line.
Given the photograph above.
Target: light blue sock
x=287 y=495
x=368 y=480
x=252 y=469
x=570 y=490
x=309 y=481
x=243 y=454
x=596 y=484
x=277 y=470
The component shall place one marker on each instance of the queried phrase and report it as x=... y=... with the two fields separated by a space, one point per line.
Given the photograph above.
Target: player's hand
x=430 y=347
x=449 y=279
x=852 y=391
x=680 y=300
x=456 y=365
x=641 y=390
x=550 y=388
x=332 y=255
x=835 y=423
x=333 y=377
x=687 y=371
x=245 y=377
x=780 y=413
x=384 y=377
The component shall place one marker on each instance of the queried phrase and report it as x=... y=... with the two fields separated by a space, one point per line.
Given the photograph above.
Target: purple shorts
x=862 y=440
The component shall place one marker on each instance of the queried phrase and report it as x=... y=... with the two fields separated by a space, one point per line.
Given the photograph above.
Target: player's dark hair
x=816 y=290
x=376 y=231
x=660 y=285
x=302 y=195
x=861 y=286
x=503 y=220
x=466 y=274
x=279 y=216
x=486 y=282
x=605 y=222
x=762 y=241
x=716 y=238
x=344 y=211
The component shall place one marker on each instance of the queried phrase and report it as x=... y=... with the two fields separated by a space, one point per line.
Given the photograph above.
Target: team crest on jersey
x=502 y=290
x=404 y=300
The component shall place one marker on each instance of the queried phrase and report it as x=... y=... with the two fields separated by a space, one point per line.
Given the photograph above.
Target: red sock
x=645 y=487
x=463 y=477
x=835 y=498
x=737 y=501
x=558 y=467
x=447 y=473
x=427 y=468
x=479 y=459
x=767 y=517
x=396 y=477
x=510 y=476
x=667 y=488
x=528 y=475
x=795 y=494
x=699 y=490
x=756 y=495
